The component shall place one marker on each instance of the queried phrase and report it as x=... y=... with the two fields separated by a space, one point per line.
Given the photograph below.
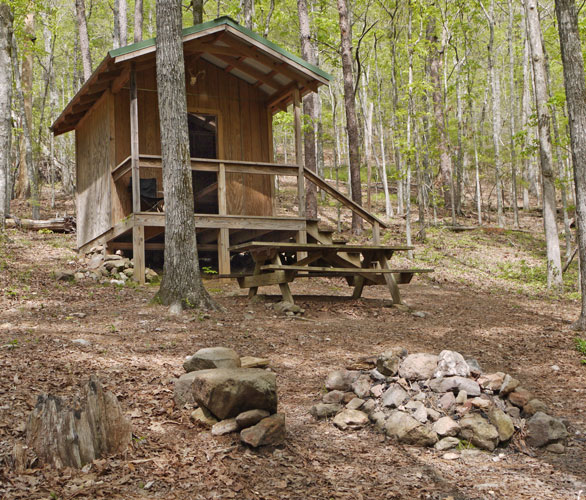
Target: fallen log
x=58 y=225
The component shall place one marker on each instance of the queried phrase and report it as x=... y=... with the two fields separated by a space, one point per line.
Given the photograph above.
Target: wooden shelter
x=235 y=82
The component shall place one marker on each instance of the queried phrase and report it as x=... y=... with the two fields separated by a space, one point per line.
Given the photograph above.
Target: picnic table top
x=308 y=247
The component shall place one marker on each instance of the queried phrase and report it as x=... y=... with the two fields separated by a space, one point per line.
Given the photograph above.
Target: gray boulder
x=408 y=430
x=480 y=432
x=420 y=366
x=451 y=363
x=226 y=392
x=341 y=380
x=543 y=429
x=212 y=357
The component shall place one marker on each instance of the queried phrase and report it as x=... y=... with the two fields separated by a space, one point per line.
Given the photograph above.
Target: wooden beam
x=134 y=141
x=249 y=70
x=212 y=221
x=119 y=82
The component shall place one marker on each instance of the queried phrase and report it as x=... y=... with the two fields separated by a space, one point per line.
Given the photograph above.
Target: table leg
x=285 y=290
x=258 y=262
x=391 y=283
x=359 y=280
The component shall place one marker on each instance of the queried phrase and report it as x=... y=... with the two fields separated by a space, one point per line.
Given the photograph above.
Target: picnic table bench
x=278 y=263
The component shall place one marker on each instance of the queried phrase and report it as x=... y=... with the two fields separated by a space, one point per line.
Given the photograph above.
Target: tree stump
x=92 y=427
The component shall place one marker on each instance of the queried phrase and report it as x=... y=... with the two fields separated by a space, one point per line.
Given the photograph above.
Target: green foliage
x=580 y=344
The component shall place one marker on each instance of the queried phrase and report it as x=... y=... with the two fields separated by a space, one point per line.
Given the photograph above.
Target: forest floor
x=487 y=299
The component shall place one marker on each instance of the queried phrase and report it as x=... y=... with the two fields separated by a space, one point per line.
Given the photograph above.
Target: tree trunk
x=123 y=16
x=512 y=100
x=138 y=21
x=575 y=86
x=197 y=6
x=350 y=103
x=5 y=107
x=554 y=267
x=182 y=284
x=381 y=135
x=248 y=12
x=525 y=112
x=309 y=110
x=84 y=41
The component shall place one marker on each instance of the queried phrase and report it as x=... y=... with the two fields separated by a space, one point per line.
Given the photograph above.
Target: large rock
x=212 y=357
x=503 y=423
x=408 y=430
x=269 y=431
x=420 y=366
x=543 y=429
x=480 y=432
x=350 y=419
x=446 y=426
x=182 y=391
x=395 y=396
x=451 y=363
x=341 y=380
x=226 y=392
x=455 y=384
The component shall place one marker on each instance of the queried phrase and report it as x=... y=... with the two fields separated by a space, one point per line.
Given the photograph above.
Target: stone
x=395 y=396
x=462 y=397
x=508 y=386
x=115 y=266
x=355 y=404
x=492 y=381
x=474 y=367
x=350 y=419
x=451 y=456
x=333 y=397
x=520 y=397
x=212 y=357
x=226 y=392
x=250 y=418
x=377 y=390
x=369 y=406
x=543 y=429
x=433 y=415
x=285 y=307
x=388 y=363
x=533 y=406
x=481 y=403
x=325 y=410
x=455 y=384
x=182 y=390
x=446 y=426
x=377 y=376
x=408 y=430
x=555 y=448
x=253 y=362
x=379 y=419
x=269 y=431
x=420 y=366
x=341 y=380
x=203 y=416
x=480 y=432
x=418 y=410
x=447 y=443
x=95 y=262
x=447 y=401
x=225 y=427
x=348 y=396
x=419 y=314
x=150 y=276
x=451 y=363
x=503 y=423
x=513 y=412
x=112 y=257
x=361 y=386
x=82 y=342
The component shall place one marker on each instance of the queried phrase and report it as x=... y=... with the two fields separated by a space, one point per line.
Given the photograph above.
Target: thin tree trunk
x=573 y=63
x=5 y=108
x=197 y=6
x=248 y=12
x=395 y=127
x=554 y=267
x=525 y=111
x=350 y=103
x=309 y=110
x=268 y=19
x=334 y=104
x=138 y=21
x=512 y=97
x=84 y=41
x=182 y=284
x=381 y=135
x=123 y=15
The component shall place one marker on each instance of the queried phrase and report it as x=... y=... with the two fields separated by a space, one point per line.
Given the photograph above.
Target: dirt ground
x=473 y=304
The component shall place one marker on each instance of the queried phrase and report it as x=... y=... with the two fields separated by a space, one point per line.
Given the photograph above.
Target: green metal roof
x=230 y=22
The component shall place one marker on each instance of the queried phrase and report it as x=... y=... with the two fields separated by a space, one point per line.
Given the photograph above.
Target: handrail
x=342 y=198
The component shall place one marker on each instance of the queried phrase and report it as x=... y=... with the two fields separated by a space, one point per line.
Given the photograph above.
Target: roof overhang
x=221 y=42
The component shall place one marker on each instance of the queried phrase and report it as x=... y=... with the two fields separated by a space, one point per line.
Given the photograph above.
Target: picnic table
x=278 y=263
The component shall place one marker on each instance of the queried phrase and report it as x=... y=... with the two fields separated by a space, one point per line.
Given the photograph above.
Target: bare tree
x=182 y=285
x=350 y=103
x=5 y=107
x=309 y=110
x=554 y=266
x=84 y=41
x=138 y=20
x=573 y=62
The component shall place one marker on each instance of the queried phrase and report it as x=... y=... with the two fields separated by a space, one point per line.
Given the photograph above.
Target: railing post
x=302 y=235
x=376 y=233
x=223 y=233
x=137 y=230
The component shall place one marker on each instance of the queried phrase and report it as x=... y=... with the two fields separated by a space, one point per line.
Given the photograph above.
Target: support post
x=302 y=235
x=376 y=233
x=223 y=233
x=137 y=231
